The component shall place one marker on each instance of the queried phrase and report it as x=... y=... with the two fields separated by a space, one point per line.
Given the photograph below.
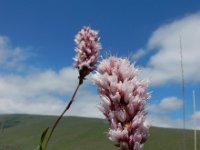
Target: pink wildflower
x=123 y=99
x=87 y=49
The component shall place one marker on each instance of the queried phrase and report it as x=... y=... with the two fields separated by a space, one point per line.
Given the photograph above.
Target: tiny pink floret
x=123 y=100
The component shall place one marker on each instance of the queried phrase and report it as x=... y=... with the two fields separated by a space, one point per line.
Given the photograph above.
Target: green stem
x=59 y=118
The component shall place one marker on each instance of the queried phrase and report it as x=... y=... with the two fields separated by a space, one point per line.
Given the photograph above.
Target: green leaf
x=39 y=147
x=43 y=135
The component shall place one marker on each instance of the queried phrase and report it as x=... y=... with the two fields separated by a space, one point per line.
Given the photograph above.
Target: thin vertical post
x=194 y=119
x=182 y=82
x=182 y=93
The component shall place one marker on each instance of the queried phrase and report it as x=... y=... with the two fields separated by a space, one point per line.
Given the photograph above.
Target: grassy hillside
x=22 y=132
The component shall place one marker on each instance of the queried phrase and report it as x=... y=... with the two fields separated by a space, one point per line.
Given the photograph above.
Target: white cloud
x=168 y=104
x=45 y=92
x=171 y=104
x=196 y=119
x=27 y=94
x=196 y=115
x=167 y=122
x=164 y=65
x=164 y=121
x=86 y=105
x=158 y=114
x=36 y=84
x=11 y=57
x=138 y=54
x=46 y=105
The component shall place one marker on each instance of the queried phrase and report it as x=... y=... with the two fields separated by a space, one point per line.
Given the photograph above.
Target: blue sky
x=37 y=47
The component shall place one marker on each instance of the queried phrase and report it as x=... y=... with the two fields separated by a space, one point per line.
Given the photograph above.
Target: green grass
x=22 y=132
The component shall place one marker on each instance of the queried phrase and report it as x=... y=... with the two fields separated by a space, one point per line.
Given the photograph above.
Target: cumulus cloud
x=167 y=122
x=22 y=94
x=196 y=120
x=168 y=104
x=196 y=115
x=86 y=105
x=46 y=105
x=48 y=81
x=164 y=65
x=159 y=114
x=11 y=57
x=46 y=92
x=164 y=121
x=138 y=54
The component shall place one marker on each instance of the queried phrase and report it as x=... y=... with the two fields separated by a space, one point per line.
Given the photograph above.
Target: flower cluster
x=87 y=49
x=123 y=99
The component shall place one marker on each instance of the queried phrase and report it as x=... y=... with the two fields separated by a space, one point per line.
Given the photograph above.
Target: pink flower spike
x=123 y=99
x=87 y=50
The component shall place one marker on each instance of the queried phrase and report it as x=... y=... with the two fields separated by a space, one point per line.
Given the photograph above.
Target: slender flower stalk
x=60 y=117
x=123 y=99
x=87 y=50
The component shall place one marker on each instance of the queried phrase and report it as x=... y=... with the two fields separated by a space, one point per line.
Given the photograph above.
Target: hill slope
x=22 y=132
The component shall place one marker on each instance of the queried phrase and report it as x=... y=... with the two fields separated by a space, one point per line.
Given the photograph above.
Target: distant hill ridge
x=22 y=132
